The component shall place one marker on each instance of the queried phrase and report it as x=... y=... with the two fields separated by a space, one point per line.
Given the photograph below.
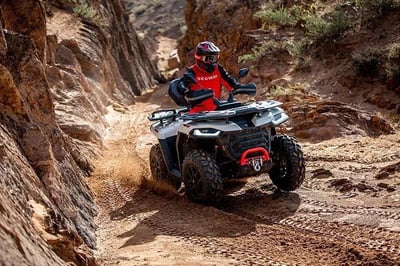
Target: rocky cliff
x=225 y=23
x=324 y=100
x=61 y=64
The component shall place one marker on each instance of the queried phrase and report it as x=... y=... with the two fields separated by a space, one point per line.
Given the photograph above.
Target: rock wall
x=226 y=23
x=58 y=72
x=233 y=27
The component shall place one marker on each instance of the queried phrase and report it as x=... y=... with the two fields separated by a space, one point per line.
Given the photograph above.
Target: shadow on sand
x=153 y=215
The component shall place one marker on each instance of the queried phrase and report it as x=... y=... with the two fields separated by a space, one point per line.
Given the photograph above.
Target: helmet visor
x=208 y=59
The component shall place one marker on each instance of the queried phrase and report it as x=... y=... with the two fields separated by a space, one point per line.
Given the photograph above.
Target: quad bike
x=237 y=140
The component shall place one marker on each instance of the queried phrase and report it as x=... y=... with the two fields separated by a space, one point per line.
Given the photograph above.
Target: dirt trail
x=347 y=211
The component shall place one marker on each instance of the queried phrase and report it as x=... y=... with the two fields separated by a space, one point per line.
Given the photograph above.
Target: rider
x=208 y=74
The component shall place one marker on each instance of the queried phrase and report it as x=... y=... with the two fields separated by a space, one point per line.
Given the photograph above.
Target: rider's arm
x=187 y=82
x=228 y=81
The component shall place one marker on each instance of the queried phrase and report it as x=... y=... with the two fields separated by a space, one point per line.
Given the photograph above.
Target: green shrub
x=259 y=52
x=316 y=27
x=304 y=17
x=303 y=64
x=85 y=10
x=297 y=49
x=393 y=64
x=278 y=91
x=319 y=28
x=366 y=62
x=376 y=6
x=280 y=16
x=394 y=55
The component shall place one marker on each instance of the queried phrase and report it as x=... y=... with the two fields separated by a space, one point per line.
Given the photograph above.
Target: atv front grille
x=236 y=143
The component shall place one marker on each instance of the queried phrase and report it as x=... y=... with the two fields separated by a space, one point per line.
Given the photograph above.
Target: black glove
x=197 y=96
x=249 y=89
x=176 y=91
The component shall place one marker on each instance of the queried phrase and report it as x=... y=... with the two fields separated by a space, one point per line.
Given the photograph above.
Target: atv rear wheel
x=202 y=178
x=288 y=169
x=159 y=170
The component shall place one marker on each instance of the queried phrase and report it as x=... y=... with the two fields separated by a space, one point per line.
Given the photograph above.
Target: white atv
x=237 y=140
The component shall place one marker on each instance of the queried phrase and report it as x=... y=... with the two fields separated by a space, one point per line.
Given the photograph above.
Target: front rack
x=167 y=114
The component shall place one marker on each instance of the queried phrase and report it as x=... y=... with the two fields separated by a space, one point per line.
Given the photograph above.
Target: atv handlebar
x=184 y=97
x=249 y=89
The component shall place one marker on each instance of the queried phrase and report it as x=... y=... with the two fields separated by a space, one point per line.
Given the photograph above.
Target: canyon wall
x=59 y=70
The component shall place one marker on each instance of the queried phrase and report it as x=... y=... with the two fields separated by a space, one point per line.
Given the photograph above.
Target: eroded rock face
x=232 y=26
x=226 y=23
x=316 y=120
x=56 y=80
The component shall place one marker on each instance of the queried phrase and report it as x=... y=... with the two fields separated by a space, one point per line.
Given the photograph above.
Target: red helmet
x=207 y=53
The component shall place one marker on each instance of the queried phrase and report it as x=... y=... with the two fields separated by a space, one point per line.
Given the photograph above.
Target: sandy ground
x=345 y=213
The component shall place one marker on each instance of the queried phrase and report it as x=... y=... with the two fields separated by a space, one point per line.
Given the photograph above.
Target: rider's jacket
x=214 y=80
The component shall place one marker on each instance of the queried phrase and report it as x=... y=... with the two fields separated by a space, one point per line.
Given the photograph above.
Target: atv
x=237 y=140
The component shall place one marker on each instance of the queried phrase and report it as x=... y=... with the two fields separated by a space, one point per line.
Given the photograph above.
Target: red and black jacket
x=213 y=81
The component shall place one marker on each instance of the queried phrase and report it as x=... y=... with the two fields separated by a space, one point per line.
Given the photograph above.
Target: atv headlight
x=206 y=132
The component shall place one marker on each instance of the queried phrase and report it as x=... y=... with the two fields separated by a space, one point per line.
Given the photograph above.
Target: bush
x=320 y=28
x=280 y=16
x=297 y=49
x=393 y=64
x=259 y=52
x=366 y=62
x=394 y=55
x=278 y=91
x=85 y=10
x=305 y=18
x=376 y=6
x=316 y=27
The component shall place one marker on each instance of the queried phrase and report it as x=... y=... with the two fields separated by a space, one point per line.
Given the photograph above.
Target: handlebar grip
x=249 y=89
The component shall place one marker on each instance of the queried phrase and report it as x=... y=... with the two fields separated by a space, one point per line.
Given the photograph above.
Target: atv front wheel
x=158 y=168
x=288 y=169
x=202 y=178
